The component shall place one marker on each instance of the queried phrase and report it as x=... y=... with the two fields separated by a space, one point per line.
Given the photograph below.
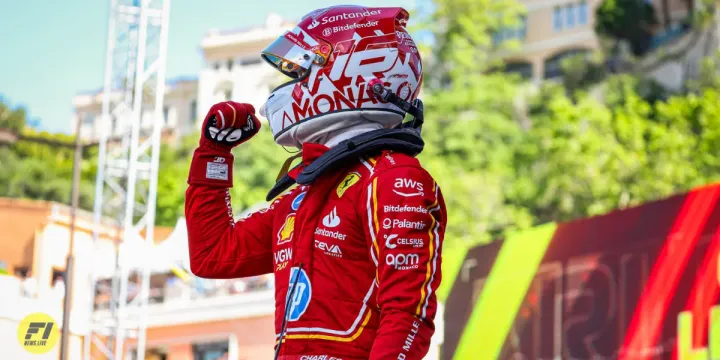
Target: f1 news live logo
x=38 y=333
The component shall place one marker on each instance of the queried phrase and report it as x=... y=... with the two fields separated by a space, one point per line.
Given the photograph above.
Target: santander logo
x=331 y=220
x=313 y=25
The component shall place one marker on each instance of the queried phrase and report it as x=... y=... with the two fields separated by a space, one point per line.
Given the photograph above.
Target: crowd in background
x=169 y=288
x=23 y=283
x=163 y=288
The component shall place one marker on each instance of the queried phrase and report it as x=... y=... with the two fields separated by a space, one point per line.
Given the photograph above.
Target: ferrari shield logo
x=286 y=231
x=350 y=180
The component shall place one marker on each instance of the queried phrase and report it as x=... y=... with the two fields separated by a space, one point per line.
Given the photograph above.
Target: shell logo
x=287 y=230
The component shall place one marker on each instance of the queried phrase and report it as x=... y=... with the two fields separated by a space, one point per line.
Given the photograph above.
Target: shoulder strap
x=404 y=140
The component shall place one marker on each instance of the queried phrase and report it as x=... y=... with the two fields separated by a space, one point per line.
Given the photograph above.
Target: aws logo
x=408 y=187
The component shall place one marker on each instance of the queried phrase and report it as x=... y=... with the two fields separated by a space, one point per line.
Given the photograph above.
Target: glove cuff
x=211 y=165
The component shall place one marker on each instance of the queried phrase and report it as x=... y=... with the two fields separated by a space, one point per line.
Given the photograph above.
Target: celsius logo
x=331 y=220
x=313 y=25
x=390 y=244
x=298 y=199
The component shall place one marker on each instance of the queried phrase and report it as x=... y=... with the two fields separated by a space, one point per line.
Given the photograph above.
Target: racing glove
x=226 y=125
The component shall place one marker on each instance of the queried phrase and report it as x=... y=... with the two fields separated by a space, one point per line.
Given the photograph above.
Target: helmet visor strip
x=288 y=57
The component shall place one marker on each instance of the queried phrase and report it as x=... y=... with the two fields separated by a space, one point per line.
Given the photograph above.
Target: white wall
x=14 y=307
x=249 y=84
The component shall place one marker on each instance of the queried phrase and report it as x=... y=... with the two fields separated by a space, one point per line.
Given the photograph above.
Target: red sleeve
x=408 y=223
x=219 y=247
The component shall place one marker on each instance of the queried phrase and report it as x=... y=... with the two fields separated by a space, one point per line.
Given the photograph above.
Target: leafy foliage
x=629 y=20
x=12 y=119
x=41 y=171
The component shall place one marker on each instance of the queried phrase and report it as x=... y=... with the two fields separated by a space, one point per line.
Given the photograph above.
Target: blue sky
x=52 y=50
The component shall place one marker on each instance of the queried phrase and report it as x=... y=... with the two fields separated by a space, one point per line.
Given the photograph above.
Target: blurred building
x=553 y=30
x=232 y=70
x=34 y=245
x=189 y=318
x=179 y=111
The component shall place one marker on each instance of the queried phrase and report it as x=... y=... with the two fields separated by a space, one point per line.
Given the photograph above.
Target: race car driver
x=355 y=245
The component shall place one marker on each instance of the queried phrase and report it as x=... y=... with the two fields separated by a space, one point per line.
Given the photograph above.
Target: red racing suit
x=361 y=244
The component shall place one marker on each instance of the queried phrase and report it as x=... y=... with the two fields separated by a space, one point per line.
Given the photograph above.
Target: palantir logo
x=38 y=333
x=331 y=220
x=301 y=296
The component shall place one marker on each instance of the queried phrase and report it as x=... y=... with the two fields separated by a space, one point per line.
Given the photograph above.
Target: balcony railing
x=199 y=300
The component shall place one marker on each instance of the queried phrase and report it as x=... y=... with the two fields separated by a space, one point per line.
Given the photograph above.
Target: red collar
x=310 y=152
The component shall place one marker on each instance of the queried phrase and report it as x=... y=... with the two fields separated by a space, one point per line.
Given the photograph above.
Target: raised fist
x=230 y=124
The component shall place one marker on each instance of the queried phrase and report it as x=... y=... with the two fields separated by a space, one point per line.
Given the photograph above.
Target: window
x=228 y=95
x=557 y=19
x=88 y=119
x=570 y=16
x=166 y=113
x=583 y=13
x=210 y=351
x=250 y=61
x=523 y=69
x=519 y=32
x=230 y=64
x=193 y=110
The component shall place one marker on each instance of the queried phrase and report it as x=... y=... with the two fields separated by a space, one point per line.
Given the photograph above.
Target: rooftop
x=274 y=25
x=170 y=85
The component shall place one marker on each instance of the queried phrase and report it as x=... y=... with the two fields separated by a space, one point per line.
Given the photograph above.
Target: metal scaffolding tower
x=126 y=184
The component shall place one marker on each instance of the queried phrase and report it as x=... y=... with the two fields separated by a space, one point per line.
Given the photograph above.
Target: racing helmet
x=331 y=56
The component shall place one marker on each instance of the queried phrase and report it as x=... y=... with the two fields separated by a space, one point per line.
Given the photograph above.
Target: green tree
x=12 y=119
x=628 y=20
x=470 y=128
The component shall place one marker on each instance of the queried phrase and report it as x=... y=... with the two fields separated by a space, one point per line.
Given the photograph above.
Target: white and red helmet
x=331 y=56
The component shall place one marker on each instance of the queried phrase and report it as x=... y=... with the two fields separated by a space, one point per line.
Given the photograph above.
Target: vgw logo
x=38 y=333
